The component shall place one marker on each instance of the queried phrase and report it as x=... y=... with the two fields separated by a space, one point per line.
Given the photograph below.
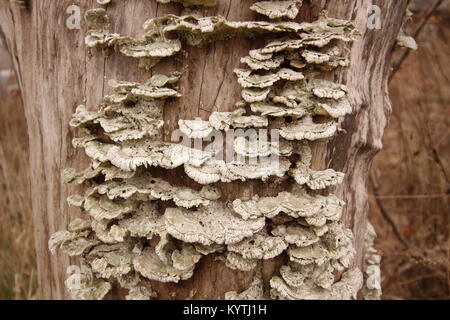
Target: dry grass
x=17 y=258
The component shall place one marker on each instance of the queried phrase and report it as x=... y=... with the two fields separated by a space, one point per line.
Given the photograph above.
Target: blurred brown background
x=409 y=185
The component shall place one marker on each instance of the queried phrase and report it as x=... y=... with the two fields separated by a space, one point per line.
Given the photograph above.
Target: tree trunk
x=56 y=72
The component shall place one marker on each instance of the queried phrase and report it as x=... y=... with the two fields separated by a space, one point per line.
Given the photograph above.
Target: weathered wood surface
x=56 y=73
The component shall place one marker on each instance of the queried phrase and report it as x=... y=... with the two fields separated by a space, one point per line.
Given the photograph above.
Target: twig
x=387 y=217
x=444 y=137
x=413 y=252
x=434 y=149
x=433 y=275
x=422 y=24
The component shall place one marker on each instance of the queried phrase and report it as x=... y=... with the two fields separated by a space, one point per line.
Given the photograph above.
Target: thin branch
x=428 y=276
x=422 y=24
x=417 y=254
x=387 y=217
x=444 y=138
x=434 y=149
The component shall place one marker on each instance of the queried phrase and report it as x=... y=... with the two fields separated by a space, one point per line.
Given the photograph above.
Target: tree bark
x=56 y=72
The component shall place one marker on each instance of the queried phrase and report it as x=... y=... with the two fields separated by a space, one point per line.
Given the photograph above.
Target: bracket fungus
x=150 y=49
x=150 y=188
x=259 y=246
x=149 y=265
x=296 y=204
x=85 y=286
x=212 y=171
x=261 y=147
x=195 y=129
x=124 y=202
x=306 y=129
x=315 y=180
x=214 y=224
x=344 y=289
x=235 y=261
x=404 y=40
x=145 y=222
x=72 y=243
x=296 y=234
x=278 y=9
x=254 y=292
x=236 y=119
x=372 y=274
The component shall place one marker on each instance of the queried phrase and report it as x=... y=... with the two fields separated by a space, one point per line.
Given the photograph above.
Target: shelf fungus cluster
x=372 y=274
x=278 y=9
x=140 y=228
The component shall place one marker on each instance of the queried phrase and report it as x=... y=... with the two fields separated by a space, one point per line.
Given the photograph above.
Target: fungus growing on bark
x=143 y=184
x=138 y=287
x=306 y=129
x=277 y=110
x=277 y=9
x=85 y=286
x=235 y=261
x=404 y=40
x=296 y=234
x=72 y=243
x=236 y=119
x=297 y=205
x=261 y=147
x=111 y=260
x=372 y=275
x=151 y=49
x=295 y=275
x=145 y=222
x=259 y=246
x=149 y=265
x=254 y=292
x=252 y=95
x=315 y=180
x=131 y=154
x=212 y=171
x=199 y=30
x=100 y=207
x=267 y=64
x=208 y=225
x=205 y=250
x=195 y=129
x=345 y=289
x=124 y=140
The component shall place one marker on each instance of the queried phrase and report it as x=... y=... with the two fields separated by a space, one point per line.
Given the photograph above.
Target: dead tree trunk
x=56 y=72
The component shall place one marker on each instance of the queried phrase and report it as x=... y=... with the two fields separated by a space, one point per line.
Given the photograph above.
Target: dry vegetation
x=409 y=181
x=17 y=257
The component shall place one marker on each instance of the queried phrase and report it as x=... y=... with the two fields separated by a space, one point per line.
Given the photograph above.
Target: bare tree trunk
x=56 y=73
